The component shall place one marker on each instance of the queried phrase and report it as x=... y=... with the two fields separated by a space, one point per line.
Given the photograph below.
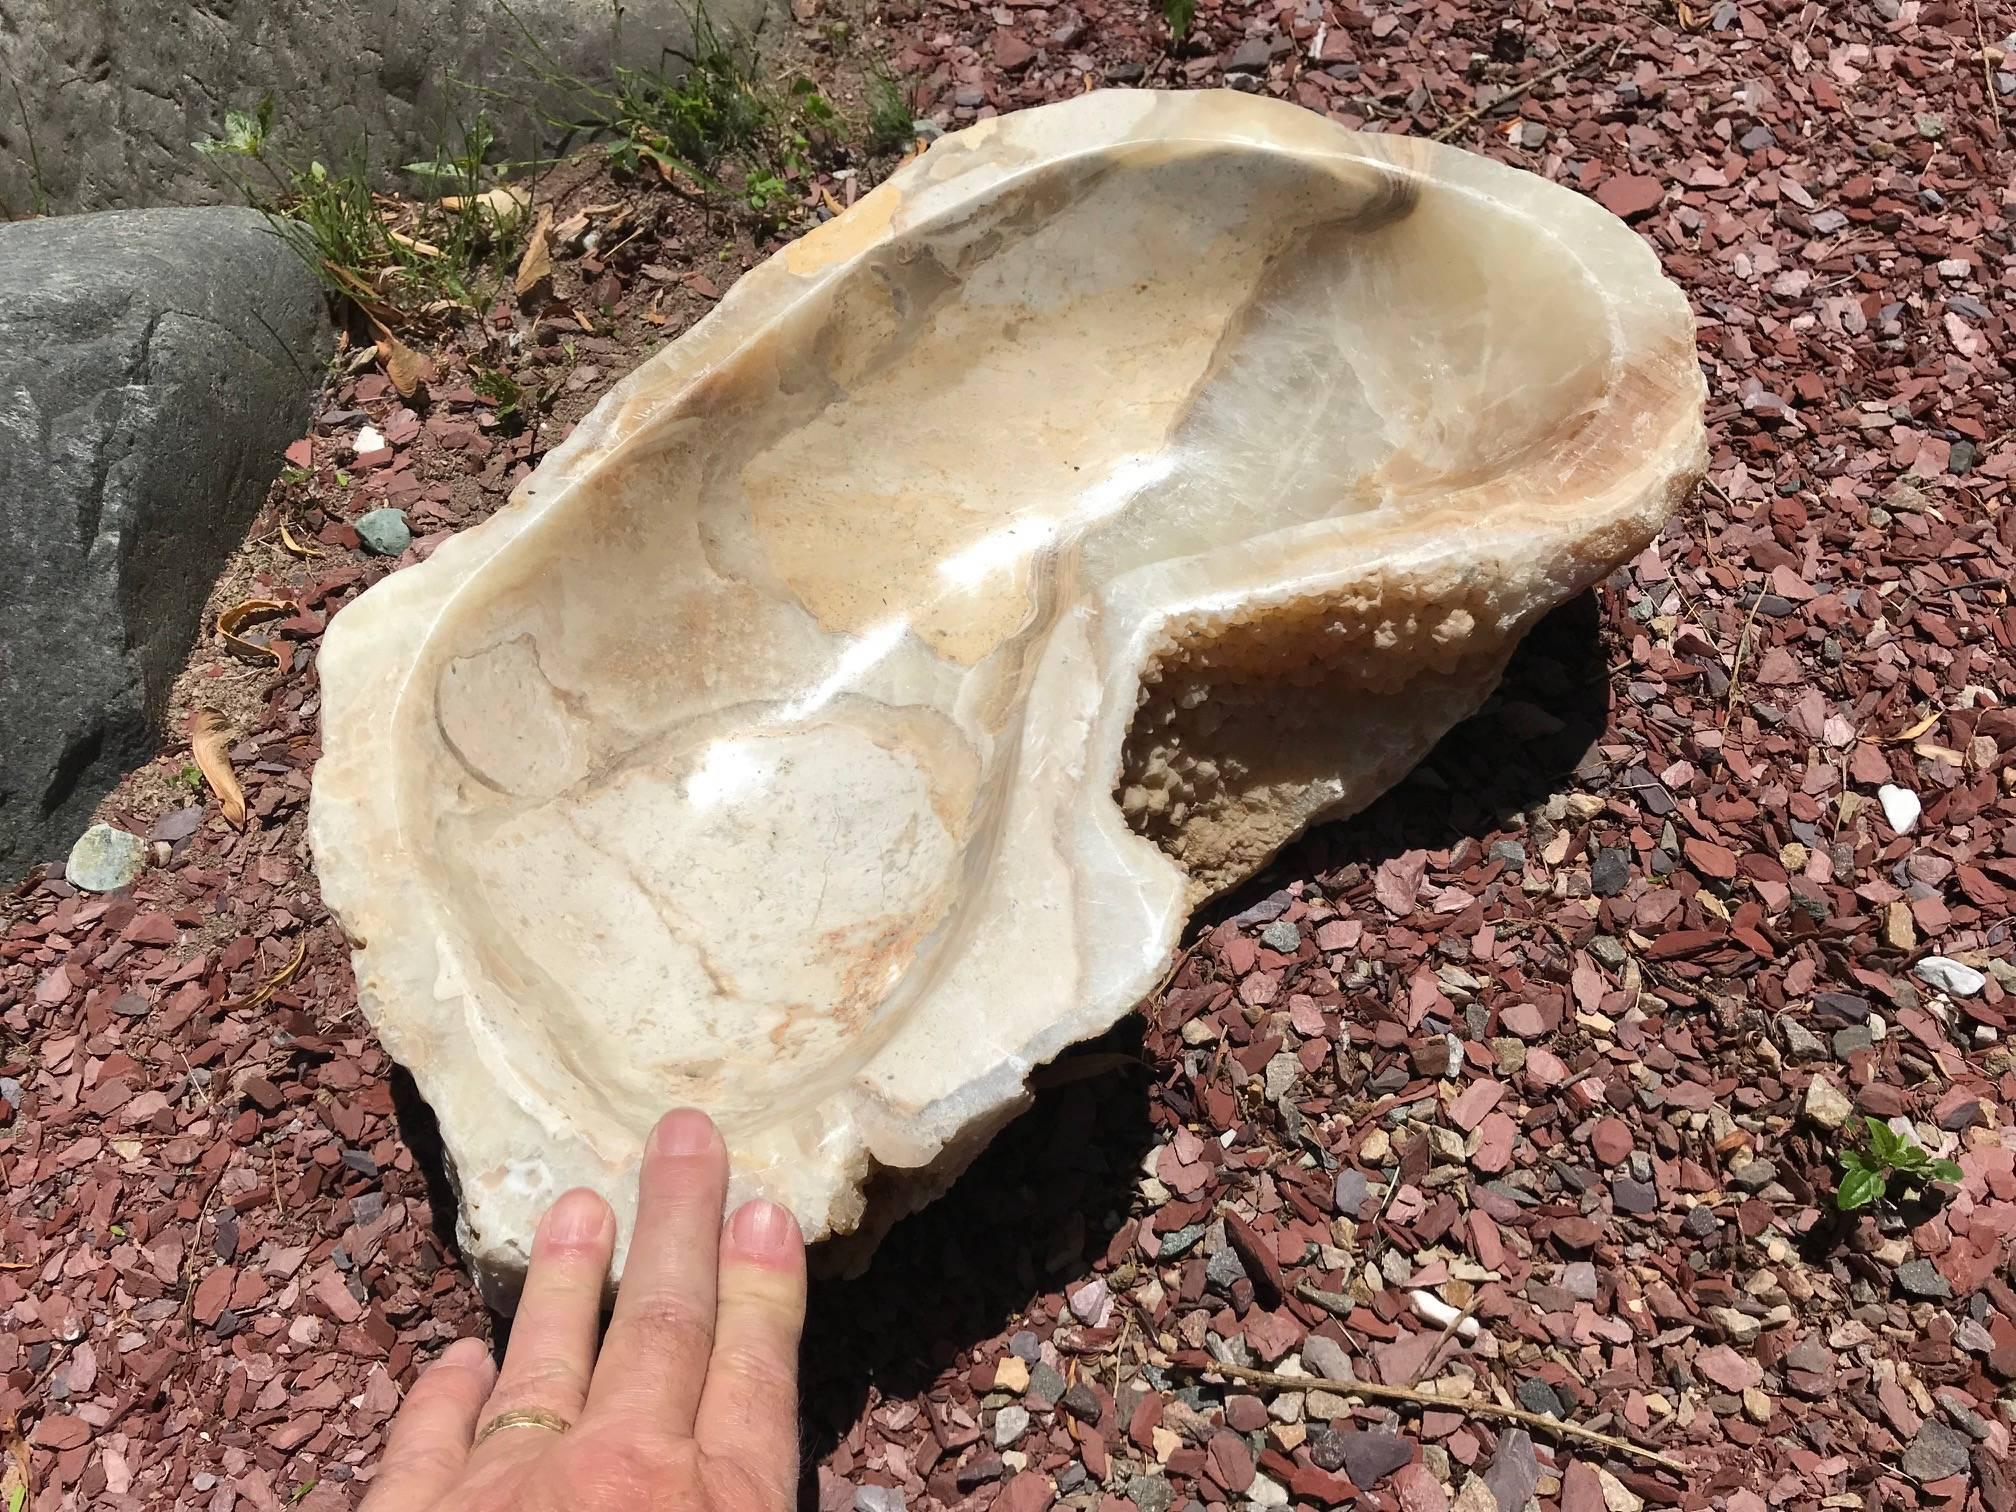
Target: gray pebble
x=1610 y=872
x=1957 y=1408
x=878 y=1499
x=1082 y=1402
x=1801 y=1043
x=1046 y=1387
x=1920 y=1278
x=1701 y=1223
x=1223 y=1269
x=1578 y=1279
x=1755 y=1176
x=1350 y=1192
x=1325 y=1358
x=1634 y=1196
x=105 y=859
x=1535 y=1395
x=385 y=532
x=1010 y=1423
x=1281 y=937
x=1283 y=1071
x=1935 y=1453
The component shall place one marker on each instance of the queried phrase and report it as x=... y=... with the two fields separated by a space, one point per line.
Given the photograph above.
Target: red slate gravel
x=1650 y=893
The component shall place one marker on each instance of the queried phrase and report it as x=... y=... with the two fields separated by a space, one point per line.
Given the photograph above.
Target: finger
x=654 y=1360
x=552 y=1350
x=749 y=1410
x=429 y=1447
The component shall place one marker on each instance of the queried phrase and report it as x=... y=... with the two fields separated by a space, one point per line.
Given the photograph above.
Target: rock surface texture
x=848 y=717
x=113 y=92
x=153 y=367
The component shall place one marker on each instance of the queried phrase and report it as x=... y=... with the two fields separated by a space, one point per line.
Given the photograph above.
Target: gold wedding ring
x=527 y=1417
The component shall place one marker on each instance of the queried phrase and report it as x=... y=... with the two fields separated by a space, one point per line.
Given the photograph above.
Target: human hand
x=692 y=1401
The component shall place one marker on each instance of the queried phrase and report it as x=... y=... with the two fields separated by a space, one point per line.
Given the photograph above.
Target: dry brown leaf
x=206 y=744
x=413 y=243
x=17 y=1491
x=1913 y=731
x=295 y=546
x=536 y=266
x=250 y=612
x=408 y=370
x=275 y=982
x=505 y=203
x=365 y=295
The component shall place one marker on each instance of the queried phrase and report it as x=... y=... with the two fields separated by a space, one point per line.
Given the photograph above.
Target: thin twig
x=1987 y=69
x=1408 y=1394
x=1736 y=662
x=1470 y=118
x=1441 y=1339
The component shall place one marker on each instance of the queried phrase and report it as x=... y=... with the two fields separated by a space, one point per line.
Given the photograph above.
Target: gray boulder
x=154 y=366
x=113 y=92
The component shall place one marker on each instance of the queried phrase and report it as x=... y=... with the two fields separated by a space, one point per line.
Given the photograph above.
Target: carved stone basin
x=848 y=716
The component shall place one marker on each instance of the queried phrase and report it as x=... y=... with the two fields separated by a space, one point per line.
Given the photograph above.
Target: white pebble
x=1949 y=975
x=1432 y=1309
x=368 y=440
x=1900 y=806
x=1265 y=1492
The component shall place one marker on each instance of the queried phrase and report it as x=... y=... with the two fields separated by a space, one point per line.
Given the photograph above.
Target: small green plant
x=190 y=777
x=1866 y=1175
x=889 y=115
x=447 y=249
x=710 y=122
x=1179 y=14
x=766 y=195
x=506 y=397
x=650 y=119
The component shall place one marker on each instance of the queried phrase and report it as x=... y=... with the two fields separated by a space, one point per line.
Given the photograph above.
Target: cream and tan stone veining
x=848 y=716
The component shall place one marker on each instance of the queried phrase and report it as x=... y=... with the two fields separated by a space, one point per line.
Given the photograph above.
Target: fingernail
x=464 y=1352
x=763 y=1228
x=577 y=1218
x=685 y=1132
